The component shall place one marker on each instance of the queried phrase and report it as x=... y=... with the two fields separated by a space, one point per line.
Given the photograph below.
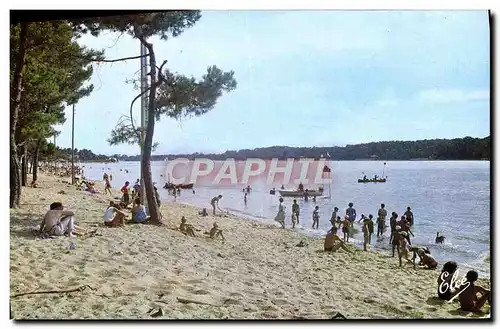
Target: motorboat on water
x=378 y=180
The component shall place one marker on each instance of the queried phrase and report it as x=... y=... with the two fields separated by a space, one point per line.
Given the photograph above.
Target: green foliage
x=55 y=72
x=164 y=24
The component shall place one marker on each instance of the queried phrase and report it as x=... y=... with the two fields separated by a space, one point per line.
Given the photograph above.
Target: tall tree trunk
x=35 y=160
x=24 y=165
x=154 y=211
x=15 y=102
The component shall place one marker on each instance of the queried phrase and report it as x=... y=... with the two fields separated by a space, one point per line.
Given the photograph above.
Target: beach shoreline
x=257 y=273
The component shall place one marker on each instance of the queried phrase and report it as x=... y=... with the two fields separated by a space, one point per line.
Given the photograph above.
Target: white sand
x=258 y=273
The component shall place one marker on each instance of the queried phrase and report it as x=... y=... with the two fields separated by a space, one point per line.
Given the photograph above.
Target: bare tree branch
x=110 y=60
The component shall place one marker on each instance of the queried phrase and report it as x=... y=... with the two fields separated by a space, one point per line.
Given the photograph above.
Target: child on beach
x=294 y=219
x=139 y=215
x=426 y=259
x=468 y=297
x=214 y=202
x=346 y=224
x=316 y=217
x=125 y=190
x=215 y=232
x=113 y=216
x=449 y=291
x=403 y=248
x=107 y=187
x=186 y=228
x=296 y=209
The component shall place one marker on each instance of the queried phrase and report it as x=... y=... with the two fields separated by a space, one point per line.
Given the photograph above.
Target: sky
x=306 y=78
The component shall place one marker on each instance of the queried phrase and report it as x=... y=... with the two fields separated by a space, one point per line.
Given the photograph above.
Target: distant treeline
x=467 y=148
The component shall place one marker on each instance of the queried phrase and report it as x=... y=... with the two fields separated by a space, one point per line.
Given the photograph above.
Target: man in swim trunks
x=409 y=216
x=393 y=223
x=58 y=221
x=468 y=297
x=333 y=219
x=334 y=243
x=316 y=217
x=215 y=203
x=351 y=214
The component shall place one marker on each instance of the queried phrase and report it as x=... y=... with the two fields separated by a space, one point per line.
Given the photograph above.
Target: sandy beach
x=257 y=273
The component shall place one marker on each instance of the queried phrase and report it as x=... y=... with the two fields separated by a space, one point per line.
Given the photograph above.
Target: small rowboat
x=182 y=186
x=301 y=194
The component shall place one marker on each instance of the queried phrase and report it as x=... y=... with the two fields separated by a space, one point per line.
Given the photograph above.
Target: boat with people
x=300 y=192
x=169 y=186
x=378 y=180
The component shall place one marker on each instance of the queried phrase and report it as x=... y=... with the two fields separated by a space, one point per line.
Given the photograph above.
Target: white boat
x=300 y=194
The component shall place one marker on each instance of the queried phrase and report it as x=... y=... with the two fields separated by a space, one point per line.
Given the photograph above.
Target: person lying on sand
x=334 y=243
x=113 y=216
x=468 y=295
x=139 y=215
x=186 y=228
x=59 y=222
x=450 y=291
x=427 y=260
x=215 y=232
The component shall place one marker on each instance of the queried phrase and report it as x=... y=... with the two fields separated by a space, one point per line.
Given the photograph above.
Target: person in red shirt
x=125 y=190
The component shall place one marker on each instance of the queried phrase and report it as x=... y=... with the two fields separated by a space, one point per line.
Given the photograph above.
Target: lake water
x=450 y=197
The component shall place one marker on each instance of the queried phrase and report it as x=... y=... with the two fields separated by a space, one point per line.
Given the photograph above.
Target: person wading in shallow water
x=351 y=214
x=296 y=210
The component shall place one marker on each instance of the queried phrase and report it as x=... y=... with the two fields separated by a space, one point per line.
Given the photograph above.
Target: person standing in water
x=409 y=216
x=296 y=209
x=351 y=214
x=306 y=195
x=345 y=228
x=245 y=198
x=333 y=219
x=316 y=217
x=280 y=217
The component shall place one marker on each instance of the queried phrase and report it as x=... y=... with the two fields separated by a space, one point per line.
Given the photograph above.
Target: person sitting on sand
x=186 y=228
x=315 y=217
x=427 y=260
x=296 y=210
x=113 y=216
x=34 y=184
x=215 y=232
x=346 y=224
x=125 y=190
x=449 y=291
x=468 y=294
x=203 y=213
x=334 y=243
x=58 y=222
x=215 y=203
x=139 y=215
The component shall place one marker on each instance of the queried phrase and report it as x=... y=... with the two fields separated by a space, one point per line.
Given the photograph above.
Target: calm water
x=451 y=197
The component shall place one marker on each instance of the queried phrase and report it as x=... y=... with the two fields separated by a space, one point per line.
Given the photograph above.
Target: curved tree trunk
x=15 y=102
x=35 y=160
x=154 y=211
x=24 y=165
